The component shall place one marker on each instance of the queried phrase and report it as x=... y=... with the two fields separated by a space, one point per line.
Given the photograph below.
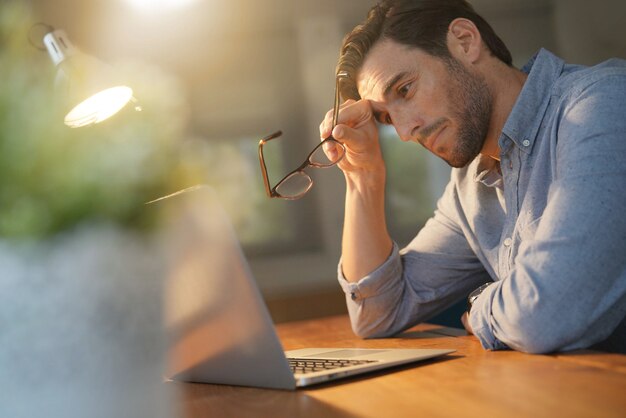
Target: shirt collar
x=523 y=123
x=487 y=171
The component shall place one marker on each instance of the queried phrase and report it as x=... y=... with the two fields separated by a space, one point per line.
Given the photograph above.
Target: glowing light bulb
x=99 y=107
x=81 y=76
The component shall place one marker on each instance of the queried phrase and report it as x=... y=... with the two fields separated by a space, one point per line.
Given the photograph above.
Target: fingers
x=357 y=132
x=325 y=125
x=355 y=123
x=344 y=133
x=343 y=117
x=333 y=151
x=466 y=324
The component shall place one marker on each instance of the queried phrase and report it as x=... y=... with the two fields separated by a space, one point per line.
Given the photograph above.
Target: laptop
x=218 y=327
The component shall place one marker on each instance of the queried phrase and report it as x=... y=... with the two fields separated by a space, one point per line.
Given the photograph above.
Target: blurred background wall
x=246 y=68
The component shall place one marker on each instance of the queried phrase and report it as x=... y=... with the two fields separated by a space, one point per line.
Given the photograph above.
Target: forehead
x=385 y=61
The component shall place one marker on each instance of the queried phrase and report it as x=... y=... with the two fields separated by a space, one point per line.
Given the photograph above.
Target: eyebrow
x=392 y=82
x=387 y=91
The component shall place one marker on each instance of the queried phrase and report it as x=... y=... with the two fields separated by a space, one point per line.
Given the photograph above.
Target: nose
x=406 y=125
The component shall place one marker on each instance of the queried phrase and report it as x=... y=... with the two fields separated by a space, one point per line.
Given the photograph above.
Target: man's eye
x=388 y=120
x=404 y=90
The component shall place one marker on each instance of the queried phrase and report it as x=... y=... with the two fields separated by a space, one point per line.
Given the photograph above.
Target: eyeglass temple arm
x=340 y=75
x=268 y=189
x=266 y=180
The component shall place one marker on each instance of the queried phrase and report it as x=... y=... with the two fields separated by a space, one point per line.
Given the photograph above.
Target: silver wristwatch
x=475 y=293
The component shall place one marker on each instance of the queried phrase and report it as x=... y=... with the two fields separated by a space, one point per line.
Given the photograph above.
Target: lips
x=431 y=143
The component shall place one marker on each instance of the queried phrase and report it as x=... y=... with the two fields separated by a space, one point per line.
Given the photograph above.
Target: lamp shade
x=92 y=92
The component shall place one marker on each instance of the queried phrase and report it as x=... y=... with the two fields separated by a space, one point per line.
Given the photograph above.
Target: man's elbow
x=535 y=345
x=369 y=329
x=367 y=332
x=533 y=338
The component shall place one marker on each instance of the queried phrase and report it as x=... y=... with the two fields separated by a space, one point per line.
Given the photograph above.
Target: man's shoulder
x=575 y=79
x=589 y=117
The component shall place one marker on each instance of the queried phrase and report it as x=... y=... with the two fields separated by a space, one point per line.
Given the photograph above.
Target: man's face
x=436 y=102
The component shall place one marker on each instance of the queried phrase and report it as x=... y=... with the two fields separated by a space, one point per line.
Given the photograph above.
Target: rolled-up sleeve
x=379 y=288
x=377 y=283
x=434 y=271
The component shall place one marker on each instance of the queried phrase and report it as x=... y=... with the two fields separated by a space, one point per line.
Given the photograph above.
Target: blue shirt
x=547 y=226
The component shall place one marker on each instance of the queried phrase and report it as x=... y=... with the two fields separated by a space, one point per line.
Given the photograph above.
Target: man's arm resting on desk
x=568 y=287
x=434 y=271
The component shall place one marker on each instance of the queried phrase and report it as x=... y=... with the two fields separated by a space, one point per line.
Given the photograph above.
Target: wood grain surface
x=470 y=382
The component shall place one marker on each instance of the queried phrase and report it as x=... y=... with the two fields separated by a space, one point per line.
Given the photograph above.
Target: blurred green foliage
x=53 y=177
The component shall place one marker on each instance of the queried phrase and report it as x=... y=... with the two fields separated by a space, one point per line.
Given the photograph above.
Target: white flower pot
x=81 y=326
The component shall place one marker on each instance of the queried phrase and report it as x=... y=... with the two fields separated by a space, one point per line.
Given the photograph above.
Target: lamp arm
x=59 y=46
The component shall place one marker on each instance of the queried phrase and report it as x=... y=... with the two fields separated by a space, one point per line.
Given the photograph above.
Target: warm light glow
x=99 y=107
x=159 y=5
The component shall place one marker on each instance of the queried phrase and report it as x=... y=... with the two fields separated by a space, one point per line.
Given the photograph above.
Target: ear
x=464 y=40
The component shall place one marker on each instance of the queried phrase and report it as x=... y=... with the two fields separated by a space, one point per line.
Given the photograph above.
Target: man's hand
x=466 y=324
x=356 y=129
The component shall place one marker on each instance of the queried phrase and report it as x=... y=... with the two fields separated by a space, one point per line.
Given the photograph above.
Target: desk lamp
x=94 y=96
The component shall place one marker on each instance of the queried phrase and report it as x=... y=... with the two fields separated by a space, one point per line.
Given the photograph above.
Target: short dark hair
x=419 y=23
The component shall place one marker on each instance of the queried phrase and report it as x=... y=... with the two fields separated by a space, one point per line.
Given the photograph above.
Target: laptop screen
x=218 y=327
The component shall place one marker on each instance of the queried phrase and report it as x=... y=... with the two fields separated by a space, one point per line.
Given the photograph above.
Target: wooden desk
x=470 y=382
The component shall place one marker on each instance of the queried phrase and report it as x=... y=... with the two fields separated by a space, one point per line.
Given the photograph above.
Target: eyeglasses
x=297 y=183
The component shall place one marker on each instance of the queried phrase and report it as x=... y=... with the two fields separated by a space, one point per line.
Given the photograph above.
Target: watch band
x=474 y=295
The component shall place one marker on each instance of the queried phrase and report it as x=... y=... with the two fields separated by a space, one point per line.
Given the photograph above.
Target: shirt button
x=353 y=295
x=526 y=142
x=507 y=242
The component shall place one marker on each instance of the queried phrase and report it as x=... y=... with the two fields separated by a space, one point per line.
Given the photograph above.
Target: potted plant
x=80 y=275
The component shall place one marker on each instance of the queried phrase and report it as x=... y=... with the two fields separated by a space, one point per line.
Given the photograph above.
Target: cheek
x=421 y=109
x=435 y=102
x=454 y=105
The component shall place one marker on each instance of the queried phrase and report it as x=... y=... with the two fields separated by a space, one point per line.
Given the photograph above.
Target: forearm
x=366 y=242
x=432 y=272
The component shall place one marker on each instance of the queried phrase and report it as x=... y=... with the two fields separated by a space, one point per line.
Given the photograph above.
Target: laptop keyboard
x=310 y=365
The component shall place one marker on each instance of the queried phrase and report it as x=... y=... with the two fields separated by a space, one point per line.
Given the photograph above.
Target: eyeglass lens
x=294 y=185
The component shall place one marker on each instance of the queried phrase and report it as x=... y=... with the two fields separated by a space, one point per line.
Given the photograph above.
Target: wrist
x=475 y=294
x=365 y=180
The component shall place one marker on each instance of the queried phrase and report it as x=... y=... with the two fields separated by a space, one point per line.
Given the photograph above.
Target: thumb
x=339 y=132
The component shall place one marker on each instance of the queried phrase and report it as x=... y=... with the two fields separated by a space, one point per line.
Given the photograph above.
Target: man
x=533 y=220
